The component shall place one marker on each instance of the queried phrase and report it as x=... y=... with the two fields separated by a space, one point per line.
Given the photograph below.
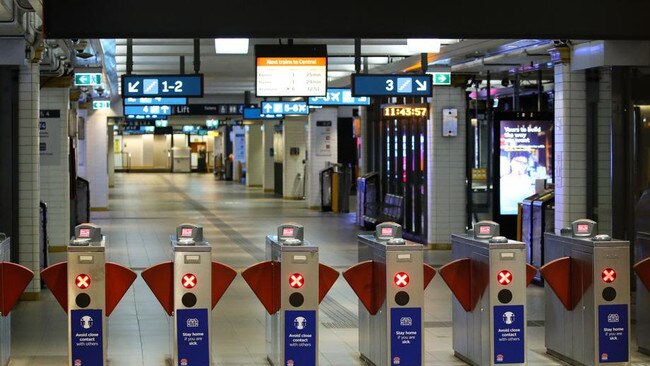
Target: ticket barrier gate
x=88 y=289
x=14 y=278
x=188 y=289
x=290 y=285
x=488 y=277
x=587 y=297
x=390 y=281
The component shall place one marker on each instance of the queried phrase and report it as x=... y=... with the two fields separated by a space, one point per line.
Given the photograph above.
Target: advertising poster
x=525 y=155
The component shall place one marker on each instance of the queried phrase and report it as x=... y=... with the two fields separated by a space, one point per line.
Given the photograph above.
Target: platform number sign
x=189 y=281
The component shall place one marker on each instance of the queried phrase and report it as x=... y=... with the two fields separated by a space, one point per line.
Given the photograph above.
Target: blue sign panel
x=406 y=336
x=300 y=338
x=391 y=85
x=193 y=337
x=613 y=334
x=140 y=110
x=155 y=101
x=162 y=86
x=285 y=107
x=509 y=341
x=87 y=337
x=339 y=97
x=256 y=113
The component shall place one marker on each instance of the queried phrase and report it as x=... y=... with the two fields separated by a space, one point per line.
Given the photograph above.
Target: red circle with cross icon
x=82 y=281
x=296 y=280
x=401 y=279
x=504 y=277
x=189 y=280
x=608 y=275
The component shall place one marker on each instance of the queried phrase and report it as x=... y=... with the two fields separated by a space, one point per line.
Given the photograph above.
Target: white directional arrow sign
x=133 y=87
x=267 y=108
x=421 y=85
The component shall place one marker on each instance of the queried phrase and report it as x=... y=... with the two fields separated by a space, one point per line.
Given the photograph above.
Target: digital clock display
x=421 y=110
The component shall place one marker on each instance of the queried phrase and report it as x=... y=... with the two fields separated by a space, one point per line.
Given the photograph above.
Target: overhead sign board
x=87 y=79
x=162 y=86
x=101 y=104
x=291 y=70
x=339 y=97
x=209 y=110
x=441 y=78
x=158 y=110
x=391 y=85
x=285 y=107
x=256 y=113
x=155 y=101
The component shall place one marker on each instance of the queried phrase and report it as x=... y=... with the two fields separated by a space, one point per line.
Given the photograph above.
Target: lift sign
x=509 y=334
x=406 y=336
x=613 y=345
x=87 y=342
x=193 y=338
x=300 y=338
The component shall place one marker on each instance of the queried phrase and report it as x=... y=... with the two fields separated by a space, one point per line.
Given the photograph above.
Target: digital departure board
x=291 y=70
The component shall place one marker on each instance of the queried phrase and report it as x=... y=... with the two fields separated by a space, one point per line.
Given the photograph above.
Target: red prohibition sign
x=189 y=281
x=82 y=281
x=296 y=280
x=504 y=277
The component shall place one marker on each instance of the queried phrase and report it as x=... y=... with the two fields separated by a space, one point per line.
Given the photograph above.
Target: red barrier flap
x=642 y=270
x=368 y=280
x=326 y=278
x=56 y=279
x=557 y=275
x=264 y=279
x=531 y=271
x=160 y=279
x=222 y=277
x=429 y=273
x=118 y=281
x=15 y=279
x=457 y=276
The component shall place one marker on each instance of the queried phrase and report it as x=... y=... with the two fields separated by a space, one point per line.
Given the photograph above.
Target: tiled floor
x=144 y=210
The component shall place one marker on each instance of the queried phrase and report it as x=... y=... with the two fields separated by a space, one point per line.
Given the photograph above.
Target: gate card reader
x=189 y=234
x=88 y=288
x=587 y=297
x=488 y=277
x=291 y=234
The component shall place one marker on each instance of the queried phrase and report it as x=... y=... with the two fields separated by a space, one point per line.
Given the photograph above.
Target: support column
x=254 y=158
x=604 y=153
x=322 y=145
x=446 y=194
x=28 y=175
x=294 y=137
x=54 y=167
x=570 y=145
x=268 y=183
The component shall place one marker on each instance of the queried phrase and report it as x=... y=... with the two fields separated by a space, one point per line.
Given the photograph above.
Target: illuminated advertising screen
x=525 y=155
x=291 y=70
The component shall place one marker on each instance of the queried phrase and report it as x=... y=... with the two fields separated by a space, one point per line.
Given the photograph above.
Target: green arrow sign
x=101 y=104
x=87 y=79
x=441 y=78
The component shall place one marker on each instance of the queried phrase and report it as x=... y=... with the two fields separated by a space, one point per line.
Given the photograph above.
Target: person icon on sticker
x=86 y=322
x=300 y=323
x=508 y=317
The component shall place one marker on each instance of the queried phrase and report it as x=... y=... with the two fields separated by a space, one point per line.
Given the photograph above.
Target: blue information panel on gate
x=300 y=338
x=193 y=338
x=391 y=85
x=87 y=334
x=406 y=336
x=613 y=333
x=509 y=327
x=162 y=86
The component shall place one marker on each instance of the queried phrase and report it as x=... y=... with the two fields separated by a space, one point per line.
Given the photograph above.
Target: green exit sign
x=441 y=78
x=101 y=104
x=87 y=79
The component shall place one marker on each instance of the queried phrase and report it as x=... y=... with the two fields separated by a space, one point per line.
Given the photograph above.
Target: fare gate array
x=188 y=289
x=88 y=288
x=642 y=270
x=488 y=277
x=588 y=296
x=390 y=280
x=291 y=284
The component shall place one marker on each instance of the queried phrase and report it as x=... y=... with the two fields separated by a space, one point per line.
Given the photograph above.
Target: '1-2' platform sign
x=391 y=85
x=162 y=86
